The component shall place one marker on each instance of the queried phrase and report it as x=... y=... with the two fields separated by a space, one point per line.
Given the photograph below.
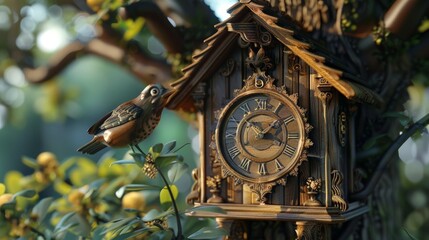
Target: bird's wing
x=122 y=114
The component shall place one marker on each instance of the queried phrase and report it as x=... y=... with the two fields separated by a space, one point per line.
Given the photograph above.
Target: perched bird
x=129 y=123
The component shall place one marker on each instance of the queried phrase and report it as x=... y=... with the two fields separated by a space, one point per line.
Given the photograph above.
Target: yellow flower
x=4 y=198
x=75 y=197
x=48 y=165
x=47 y=161
x=133 y=200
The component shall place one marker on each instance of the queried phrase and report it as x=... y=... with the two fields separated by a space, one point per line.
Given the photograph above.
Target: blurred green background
x=54 y=116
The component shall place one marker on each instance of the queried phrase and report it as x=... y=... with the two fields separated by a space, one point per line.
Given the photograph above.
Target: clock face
x=260 y=135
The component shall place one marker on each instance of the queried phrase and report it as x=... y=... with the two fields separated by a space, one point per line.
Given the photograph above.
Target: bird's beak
x=166 y=96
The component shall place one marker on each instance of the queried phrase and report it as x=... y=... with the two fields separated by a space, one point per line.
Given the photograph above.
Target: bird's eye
x=154 y=92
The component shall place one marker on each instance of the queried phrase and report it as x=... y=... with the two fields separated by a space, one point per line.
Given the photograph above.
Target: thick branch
x=157 y=23
x=387 y=158
x=404 y=17
x=146 y=68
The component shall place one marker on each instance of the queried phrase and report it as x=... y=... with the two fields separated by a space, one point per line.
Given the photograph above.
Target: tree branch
x=107 y=46
x=404 y=17
x=157 y=23
x=387 y=158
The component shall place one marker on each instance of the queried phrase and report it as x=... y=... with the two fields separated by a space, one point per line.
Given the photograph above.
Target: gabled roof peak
x=246 y=17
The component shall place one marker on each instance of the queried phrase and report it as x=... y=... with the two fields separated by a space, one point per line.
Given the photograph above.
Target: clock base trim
x=282 y=213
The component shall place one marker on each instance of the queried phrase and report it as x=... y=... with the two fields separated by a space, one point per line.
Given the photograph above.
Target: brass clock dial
x=261 y=135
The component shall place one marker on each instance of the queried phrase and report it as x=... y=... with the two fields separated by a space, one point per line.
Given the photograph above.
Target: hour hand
x=255 y=128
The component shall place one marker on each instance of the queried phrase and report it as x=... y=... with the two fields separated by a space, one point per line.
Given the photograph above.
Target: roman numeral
x=289 y=151
x=261 y=103
x=262 y=169
x=279 y=166
x=293 y=135
x=245 y=164
x=288 y=119
x=233 y=151
x=230 y=134
x=279 y=105
x=233 y=121
x=245 y=108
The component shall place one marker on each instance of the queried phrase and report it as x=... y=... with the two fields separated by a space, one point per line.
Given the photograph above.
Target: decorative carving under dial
x=313 y=188
x=337 y=193
x=214 y=184
x=194 y=195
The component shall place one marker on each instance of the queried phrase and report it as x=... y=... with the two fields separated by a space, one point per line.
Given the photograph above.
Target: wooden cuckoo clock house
x=276 y=129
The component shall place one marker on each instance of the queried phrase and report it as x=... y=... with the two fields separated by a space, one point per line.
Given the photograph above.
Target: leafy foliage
x=108 y=200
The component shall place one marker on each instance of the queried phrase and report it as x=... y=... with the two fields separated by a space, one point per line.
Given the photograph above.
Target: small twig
x=387 y=157
x=184 y=145
x=176 y=210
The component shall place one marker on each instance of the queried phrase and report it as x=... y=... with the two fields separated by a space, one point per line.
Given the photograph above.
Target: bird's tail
x=92 y=147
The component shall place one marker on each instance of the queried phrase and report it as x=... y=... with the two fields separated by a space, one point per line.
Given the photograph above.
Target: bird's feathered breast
x=122 y=114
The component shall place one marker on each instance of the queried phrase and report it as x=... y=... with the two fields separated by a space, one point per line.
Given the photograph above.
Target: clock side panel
x=221 y=86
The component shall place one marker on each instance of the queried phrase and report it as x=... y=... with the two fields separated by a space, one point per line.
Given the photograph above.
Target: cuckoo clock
x=275 y=116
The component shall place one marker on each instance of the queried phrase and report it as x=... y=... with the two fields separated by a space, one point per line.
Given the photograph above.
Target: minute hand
x=269 y=127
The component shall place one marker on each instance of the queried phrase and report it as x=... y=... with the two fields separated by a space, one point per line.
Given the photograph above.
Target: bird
x=129 y=123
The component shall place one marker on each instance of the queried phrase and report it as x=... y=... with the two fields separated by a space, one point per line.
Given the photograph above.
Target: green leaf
x=164 y=161
x=138 y=158
x=193 y=224
x=63 y=220
x=176 y=171
x=155 y=150
x=117 y=224
x=164 y=195
x=29 y=193
x=41 y=208
x=168 y=147
x=70 y=162
x=97 y=234
x=59 y=233
x=62 y=187
x=135 y=187
x=121 y=162
x=155 y=214
x=400 y=116
x=213 y=209
x=8 y=205
x=208 y=233
x=30 y=162
x=113 y=187
x=162 y=235
x=131 y=234
x=82 y=228
x=409 y=234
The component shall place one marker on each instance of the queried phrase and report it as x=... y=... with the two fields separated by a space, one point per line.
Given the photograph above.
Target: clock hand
x=256 y=129
x=270 y=126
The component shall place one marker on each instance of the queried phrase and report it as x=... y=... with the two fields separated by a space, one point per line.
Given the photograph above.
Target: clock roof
x=342 y=75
